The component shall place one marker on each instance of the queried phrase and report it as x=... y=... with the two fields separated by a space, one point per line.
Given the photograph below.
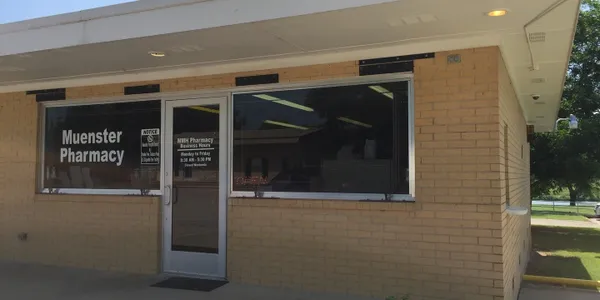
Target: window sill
x=105 y=192
x=324 y=196
x=96 y=198
x=315 y=203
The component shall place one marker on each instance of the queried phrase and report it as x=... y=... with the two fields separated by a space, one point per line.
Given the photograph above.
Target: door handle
x=175 y=195
x=167 y=195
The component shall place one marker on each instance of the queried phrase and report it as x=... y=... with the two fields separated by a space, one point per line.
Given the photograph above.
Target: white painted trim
x=84 y=191
x=511 y=76
x=92 y=14
x=374 y=79
x=324 y=196
x=412 y=175
x=40 y=177
x=323 y=57
x=225 y=93
x=181 y=262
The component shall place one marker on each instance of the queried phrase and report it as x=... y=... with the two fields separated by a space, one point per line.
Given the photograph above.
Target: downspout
x=534 y=66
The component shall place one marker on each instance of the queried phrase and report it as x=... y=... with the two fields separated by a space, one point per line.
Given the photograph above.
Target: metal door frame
x=169 y=256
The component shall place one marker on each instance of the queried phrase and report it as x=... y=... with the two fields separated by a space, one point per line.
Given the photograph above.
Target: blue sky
x=18 y=10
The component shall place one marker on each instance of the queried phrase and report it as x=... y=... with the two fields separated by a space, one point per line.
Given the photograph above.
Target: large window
x=339 y=139
x=113 y=146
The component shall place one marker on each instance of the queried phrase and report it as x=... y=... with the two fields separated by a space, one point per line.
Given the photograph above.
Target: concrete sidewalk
x=36 y=282
x=547 y=292
x=564 y=223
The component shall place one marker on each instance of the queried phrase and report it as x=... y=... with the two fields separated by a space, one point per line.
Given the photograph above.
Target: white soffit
x=550 y=40
x=218 y=36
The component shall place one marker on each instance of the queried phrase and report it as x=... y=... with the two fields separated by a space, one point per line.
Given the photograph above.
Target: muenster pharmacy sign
x=67 y=154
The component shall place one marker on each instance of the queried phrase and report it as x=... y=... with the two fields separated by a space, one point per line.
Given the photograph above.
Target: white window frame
x=85 y=191
x=335 y=196
x=229 y=92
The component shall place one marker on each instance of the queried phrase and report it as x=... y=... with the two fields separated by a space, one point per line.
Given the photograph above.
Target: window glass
x=104 y=146
x=343 y=139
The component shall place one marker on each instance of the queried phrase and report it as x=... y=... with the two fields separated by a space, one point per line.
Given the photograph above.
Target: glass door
x=195 y=187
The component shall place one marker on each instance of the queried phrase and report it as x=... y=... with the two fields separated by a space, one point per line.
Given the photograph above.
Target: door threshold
x=192 y=275
x=190 y=283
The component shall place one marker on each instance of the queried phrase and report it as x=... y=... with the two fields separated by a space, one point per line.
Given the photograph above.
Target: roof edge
x=437 y=44
x=93 y=14
x=562 y=90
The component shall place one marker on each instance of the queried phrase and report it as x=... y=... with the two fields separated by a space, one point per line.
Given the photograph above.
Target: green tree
x=570 y=159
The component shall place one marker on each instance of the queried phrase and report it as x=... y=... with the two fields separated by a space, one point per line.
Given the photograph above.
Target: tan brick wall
x=446 y=245
x=514 y=160
x=286 y=75
x=102 y=232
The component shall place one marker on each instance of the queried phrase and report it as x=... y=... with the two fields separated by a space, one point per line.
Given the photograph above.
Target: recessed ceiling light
x=206 y=109
x=284 y=124
x=497 y=13
x=351 y=121
x=157 y=54
x=283 y=102
x=382 y=91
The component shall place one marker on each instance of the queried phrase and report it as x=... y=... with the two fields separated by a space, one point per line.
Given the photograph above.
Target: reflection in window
x=349 y=139
x=103 y=146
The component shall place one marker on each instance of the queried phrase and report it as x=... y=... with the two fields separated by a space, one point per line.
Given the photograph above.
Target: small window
x=340 y=139
x=112 y=146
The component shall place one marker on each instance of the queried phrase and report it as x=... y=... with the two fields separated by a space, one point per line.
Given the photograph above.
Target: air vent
x=412 y=20
x=48 y=95
x=257 y=79
x=386 y=65
x=141 y=89
x=537 y=37
x=538 y=80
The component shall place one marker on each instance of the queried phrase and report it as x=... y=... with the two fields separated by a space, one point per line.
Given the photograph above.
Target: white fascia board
x=91 y=14
x=312 y=58
x=172 y=19
x=506 y=56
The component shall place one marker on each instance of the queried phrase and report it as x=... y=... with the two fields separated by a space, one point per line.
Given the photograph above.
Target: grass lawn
x=565 y=252
x=561 y=212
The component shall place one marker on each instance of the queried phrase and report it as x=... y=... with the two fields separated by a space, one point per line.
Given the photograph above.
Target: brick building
x=369 y=147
